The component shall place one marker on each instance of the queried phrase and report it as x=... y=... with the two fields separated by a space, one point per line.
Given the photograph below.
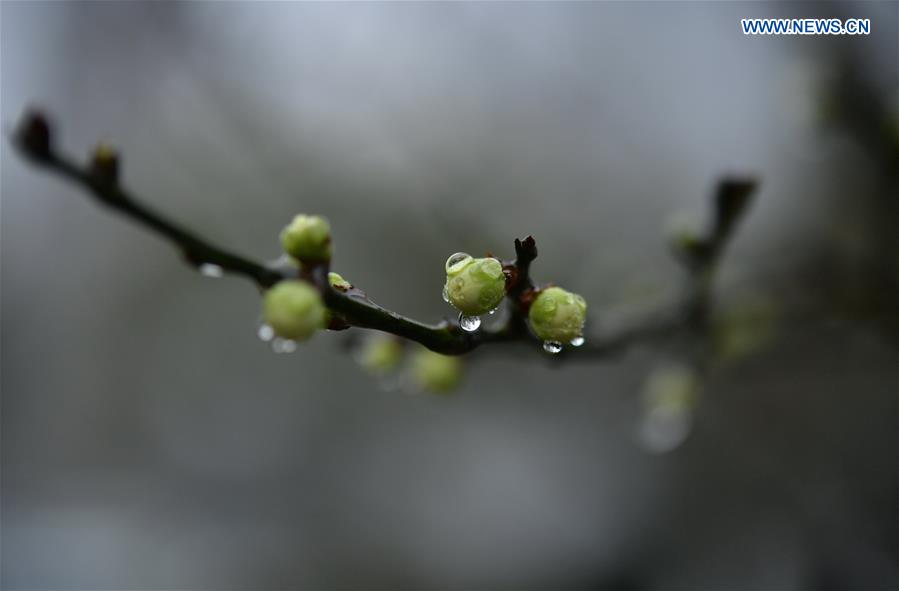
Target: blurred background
x=151 y=441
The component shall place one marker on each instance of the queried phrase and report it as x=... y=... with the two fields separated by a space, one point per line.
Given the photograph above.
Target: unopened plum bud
x=308 y=239
x=474 y=286
x=435 y=372
x=673 y=385
x=669 y=396
x=557 y=315
x=381 y=354
x=294 y=310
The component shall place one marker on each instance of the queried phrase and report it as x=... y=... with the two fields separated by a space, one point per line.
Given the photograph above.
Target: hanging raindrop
x=211 y=270
x=492 y=312
x=469 y=323
x=265 y=332
x=280 y=345
x=445 y=293
x=577 y=341
x=552 y=347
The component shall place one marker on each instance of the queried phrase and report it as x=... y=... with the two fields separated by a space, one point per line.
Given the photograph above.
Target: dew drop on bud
x=210 y=270
x=280 y=345
x=265 y=332
x=457 y=258
x=552 y=347
x=577 y=341
x=469 y=323
x=456 y=262
x=445 y=294
x=492 y=312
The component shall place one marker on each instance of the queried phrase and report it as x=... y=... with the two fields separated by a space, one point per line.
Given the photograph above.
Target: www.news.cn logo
x=805 y=26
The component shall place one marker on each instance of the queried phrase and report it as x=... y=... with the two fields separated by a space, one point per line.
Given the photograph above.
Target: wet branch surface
x=34 y=139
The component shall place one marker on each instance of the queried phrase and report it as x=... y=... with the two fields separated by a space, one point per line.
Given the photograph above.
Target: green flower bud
x=435 y=372
x=674 y=386
x=685 y=234
x=746 y=326
x=558 y=315
x=669 y=396
x=381 y=354
x=308 y=239
x=294 y=310
x=474 y=286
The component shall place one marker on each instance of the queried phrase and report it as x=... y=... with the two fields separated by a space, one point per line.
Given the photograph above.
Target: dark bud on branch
x=731 y=200
x=699 y=250
x=33 y=136
x=526 y=250
x=105 y=164
x=518 y=271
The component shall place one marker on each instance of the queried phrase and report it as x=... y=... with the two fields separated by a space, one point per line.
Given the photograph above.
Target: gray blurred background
x=150 y=441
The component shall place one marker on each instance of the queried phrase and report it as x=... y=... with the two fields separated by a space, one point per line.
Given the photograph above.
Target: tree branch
x=34 y=140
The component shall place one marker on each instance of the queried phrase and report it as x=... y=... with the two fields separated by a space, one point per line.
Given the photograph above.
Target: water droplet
x=492 y=312
x=445 y=293
x=552 y=347
x=265 y=332
x=280 y=345
x=456 y=258
x=284 y=262
x=210 y=270
x=469 y=323
x=577 y=341
x=456 y=262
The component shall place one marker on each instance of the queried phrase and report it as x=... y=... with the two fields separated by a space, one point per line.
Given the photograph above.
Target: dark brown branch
x=359 y=311
x=34 y=140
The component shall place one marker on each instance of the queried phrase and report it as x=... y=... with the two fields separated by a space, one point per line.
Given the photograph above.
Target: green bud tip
x=381 y=354
x=474 y=286
x=339 y=282
x=105 y=163
x=307 y=238
x=294 y=310
x=558 y=315
x=435 y=372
